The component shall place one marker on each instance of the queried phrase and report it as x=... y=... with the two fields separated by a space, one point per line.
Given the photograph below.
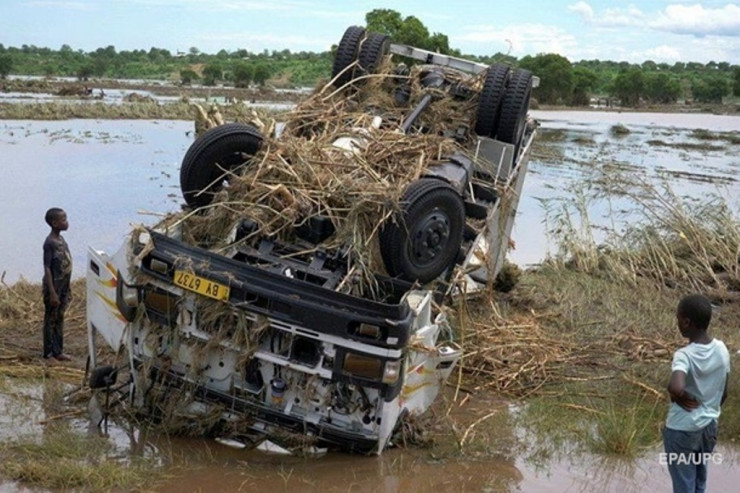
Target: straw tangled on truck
x=303 y=174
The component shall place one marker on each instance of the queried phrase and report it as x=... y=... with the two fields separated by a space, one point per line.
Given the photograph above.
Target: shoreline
x=91 y=92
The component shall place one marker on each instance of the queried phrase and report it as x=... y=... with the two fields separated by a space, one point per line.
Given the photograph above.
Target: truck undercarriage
x=268 y=336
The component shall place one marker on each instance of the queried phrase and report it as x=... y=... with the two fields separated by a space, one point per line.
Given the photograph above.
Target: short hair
x=697 y=308
x=52 y=214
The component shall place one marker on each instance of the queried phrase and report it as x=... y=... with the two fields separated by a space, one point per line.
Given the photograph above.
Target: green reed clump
x=66 y=459
x=626 y=430
x=620 y=130
x=691 y=243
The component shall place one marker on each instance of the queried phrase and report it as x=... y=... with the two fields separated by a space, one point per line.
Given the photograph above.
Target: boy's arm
x=48 y=280
x=677 y=391
x=724 y=392
x=48 y=277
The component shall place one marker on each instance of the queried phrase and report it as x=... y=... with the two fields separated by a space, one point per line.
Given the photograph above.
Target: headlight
x=371 y=368
x=392 y=371
x=362 y=366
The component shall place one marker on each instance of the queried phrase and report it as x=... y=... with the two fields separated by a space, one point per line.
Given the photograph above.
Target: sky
x=659 y=30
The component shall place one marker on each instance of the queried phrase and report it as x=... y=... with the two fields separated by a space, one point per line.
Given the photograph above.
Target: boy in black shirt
x=57 y=275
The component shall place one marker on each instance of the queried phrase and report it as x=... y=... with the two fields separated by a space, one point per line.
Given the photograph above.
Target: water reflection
x=180 y=464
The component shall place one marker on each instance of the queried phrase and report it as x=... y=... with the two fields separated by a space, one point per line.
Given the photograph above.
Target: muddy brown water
x=201 y=465
x=106 y=173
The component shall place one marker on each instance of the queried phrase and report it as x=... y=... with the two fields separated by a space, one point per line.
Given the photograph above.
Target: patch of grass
x=620 y=130
x=685 y=145
x=584 y=141
x=21 y=316
x=731 y=137
x=551 y=135
x=66 y=459
x=703 y=134
x=626 y=430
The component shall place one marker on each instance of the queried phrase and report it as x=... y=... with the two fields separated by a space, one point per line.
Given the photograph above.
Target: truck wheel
x=489 y=101
x=103 y=376
x=209 y=159
x=346 y=55
x=426 y=238
x=372 y=51
x=514 y=109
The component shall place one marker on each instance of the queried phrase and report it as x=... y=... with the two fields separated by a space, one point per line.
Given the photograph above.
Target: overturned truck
x=300 y=293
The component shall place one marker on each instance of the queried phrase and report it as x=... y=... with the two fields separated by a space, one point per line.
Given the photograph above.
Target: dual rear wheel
x=423 y=241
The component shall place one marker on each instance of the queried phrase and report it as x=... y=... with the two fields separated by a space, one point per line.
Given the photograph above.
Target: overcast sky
x=663 y=31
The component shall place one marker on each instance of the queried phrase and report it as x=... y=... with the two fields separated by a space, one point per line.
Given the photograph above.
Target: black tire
x=514 y=109
x=346 y=55
x=426 y=239
x=103 y=376
x=211 y=156
x=490 y=99
x=372 y=51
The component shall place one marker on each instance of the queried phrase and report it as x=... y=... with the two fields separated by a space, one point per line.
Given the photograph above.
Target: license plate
x=201 y=285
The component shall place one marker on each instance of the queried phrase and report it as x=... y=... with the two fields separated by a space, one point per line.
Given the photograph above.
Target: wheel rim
x=429 y=238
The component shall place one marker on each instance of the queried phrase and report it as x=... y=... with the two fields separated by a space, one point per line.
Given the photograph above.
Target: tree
x=85 y=71
x=261 y=73
x=99 y=66
x=649 y=65
x=662 y=88
x=556 y=77
x=584 y=81
x=710 y=89
x=187 y=76
x=212 y=73
x=628 y=86
x=6 y=65
x=409 y=30
x=736 y=82
x=158 y=55
x=439 y=42
x=384 y=21
x=678 y=67
x=413 y=32
x=243 y=74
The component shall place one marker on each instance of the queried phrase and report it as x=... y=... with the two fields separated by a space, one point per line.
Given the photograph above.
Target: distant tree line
x=567 y=83
x=562 y=82
x=240 y=67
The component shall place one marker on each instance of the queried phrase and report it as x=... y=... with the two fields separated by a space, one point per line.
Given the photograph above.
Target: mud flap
x=103 y=315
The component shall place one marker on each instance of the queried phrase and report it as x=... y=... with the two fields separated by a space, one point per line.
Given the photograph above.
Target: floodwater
x=110 y=174
x=194 y=465
x=105 y=174
x=659 y=148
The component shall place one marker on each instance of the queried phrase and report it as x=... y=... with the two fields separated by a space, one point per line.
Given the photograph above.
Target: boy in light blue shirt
x=697 y=388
